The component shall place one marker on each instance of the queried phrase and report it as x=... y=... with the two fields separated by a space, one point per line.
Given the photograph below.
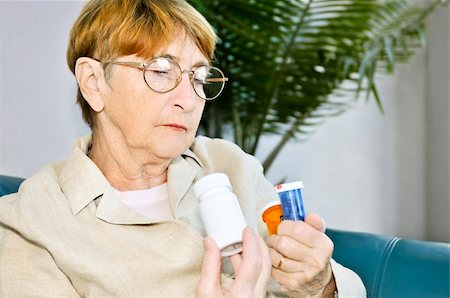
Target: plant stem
x=237 y=127
x=284 y=140
x=273 y=90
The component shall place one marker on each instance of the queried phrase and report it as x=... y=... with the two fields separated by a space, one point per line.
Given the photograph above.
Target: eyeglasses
x=163 y=74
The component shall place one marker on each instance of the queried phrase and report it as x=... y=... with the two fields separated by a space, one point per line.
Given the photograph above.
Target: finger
x=302 y=232
x=289 y=248
x=308 y=280
x=210 y=275
x=236 y=261
x=265 y=255
x=288 y=281
x=316 y=222
x=266 y=267
x=283 y=263
x=250 y=264
x=253 y=272
x=298 y=257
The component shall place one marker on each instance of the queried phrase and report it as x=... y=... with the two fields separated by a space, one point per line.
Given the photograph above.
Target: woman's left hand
x=251 y=267
x=301 y=254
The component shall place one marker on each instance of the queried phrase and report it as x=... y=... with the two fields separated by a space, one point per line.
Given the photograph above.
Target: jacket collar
x=80 y=179
x=82 y=182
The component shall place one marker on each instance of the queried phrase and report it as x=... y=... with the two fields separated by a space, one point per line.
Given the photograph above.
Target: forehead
x=184 y=51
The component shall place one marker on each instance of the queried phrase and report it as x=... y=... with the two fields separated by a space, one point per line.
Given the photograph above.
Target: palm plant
x=293 y=62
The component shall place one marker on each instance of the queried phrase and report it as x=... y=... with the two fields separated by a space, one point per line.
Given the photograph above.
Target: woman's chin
x=172 y=150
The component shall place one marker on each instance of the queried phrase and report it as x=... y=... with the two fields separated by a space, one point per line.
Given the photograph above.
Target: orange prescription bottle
x=272 y=215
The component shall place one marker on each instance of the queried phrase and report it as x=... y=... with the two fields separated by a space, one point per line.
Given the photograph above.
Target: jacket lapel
x=180 y=177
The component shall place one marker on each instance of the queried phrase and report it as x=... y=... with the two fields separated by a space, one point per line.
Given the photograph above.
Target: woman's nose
x=185 y=95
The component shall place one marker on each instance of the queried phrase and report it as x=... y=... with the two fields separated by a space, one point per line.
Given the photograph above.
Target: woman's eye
x=159 y=72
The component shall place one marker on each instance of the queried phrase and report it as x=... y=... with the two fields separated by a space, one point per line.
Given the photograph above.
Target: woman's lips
x=176 y=126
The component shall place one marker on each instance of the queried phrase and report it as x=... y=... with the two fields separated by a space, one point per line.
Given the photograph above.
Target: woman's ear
x=88 y=74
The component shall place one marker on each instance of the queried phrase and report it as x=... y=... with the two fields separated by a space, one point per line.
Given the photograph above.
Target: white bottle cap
x=289 y=186
x=210 y=182
x=267 y=206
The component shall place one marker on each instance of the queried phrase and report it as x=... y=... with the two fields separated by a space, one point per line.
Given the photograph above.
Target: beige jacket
x=67 y=234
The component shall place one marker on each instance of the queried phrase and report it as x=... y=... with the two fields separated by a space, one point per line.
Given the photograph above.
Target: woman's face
x=155 y=124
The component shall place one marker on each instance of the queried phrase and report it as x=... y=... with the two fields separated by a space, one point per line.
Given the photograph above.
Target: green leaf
x=294 y=63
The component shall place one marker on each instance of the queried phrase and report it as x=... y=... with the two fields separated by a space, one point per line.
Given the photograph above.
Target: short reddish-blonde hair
x=108 y=29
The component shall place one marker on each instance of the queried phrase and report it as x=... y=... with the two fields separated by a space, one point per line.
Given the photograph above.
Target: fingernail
x=206 y=243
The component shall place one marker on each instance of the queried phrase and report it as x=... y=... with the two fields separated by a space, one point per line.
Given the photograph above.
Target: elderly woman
x=119 y=217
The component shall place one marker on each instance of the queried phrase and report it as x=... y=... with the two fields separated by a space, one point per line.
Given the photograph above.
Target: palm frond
x=293 y=63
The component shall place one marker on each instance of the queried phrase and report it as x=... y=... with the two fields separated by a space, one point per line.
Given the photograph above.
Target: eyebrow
x=176 y=59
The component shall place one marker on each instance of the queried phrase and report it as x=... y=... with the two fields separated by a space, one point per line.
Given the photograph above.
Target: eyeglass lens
x=163 y=74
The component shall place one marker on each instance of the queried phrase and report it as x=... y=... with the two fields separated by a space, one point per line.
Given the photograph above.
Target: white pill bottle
x=221 y=213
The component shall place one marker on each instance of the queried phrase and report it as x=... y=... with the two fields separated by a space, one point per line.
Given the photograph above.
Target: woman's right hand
x=252 y=269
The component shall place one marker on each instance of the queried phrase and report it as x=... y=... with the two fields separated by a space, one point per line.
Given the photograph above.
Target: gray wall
x=38 y=117
x=438 y=128
x=362 y=170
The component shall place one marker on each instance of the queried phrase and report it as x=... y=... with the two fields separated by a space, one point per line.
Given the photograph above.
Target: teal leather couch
x=390 y=267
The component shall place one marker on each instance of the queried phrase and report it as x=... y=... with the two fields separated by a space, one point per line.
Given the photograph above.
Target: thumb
x=209 y=284
x=316 y=222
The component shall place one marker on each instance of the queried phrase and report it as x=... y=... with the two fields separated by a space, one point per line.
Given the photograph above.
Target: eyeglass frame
x=143 y=65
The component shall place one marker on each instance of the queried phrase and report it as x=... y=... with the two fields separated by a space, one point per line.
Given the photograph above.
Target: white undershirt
x=152 y=202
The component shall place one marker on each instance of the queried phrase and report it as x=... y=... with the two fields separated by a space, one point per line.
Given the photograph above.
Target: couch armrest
x=9 y=184
x=395 y=267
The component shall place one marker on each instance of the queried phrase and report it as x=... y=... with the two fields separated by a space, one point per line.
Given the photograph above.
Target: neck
x=127 y=168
